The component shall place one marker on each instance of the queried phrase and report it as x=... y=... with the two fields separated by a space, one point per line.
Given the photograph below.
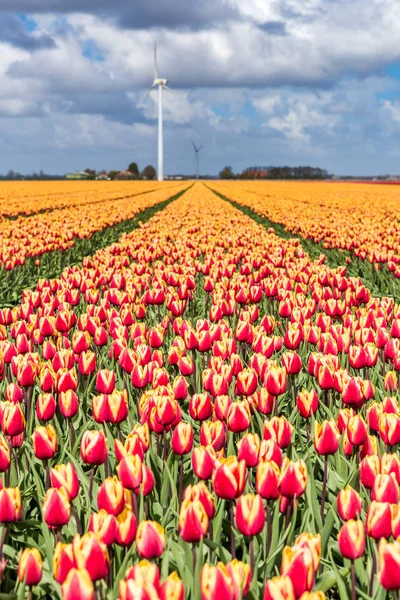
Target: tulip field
x=199 y=391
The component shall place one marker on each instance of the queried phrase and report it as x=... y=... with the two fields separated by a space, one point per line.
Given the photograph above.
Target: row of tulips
x=204 y=397
x=360 y=219
x=24 y=198
x=32 y=236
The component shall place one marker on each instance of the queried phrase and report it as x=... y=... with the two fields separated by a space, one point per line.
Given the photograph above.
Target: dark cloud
x=136 y=14
x=13 y=31
x=273 y=27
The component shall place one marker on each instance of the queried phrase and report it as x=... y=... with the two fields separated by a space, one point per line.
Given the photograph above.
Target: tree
x=227 y=173
x=134 y=169
x=91 y=173
x=149 y=172
x=113 y=174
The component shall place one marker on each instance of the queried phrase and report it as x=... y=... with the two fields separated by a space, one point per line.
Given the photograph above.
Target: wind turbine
x=162 y=84
x=196 y=157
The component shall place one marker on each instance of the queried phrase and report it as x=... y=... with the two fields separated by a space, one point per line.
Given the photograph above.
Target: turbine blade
x=155 y=61
x=168 y=89
x=193 y=144
x=145 y=96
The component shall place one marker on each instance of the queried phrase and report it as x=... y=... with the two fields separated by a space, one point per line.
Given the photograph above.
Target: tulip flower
x=30 y=566
x=130 y=471
x=77 y=585
x=203 y=461
x=351 y=539
x=172 y=588
x=126 y=527
x=212 y=433
x=145 y=572
x=150 y=539
x=279 y=588
x=241 y=575
x=379 y=520
x=349 y=504
x=250 y=514
x=249 y=449
x=56 y=507
x=104 y=526
x=110 y=496
x=45 y=442
x=215 y=582
x=5 y=455
x=94 y=447
x=238 y=418
x=10 y=505
x=385 y=488
x=200 y=492
x=45 y=407
x=229 y=478
x=307 y=403
x=12 y=419
x=65 y=476
x=91 y=554
x=297 y=563
x=63 y=561
x=193 y=521
x=293 y=478
x=326 y=437
x=389 y=565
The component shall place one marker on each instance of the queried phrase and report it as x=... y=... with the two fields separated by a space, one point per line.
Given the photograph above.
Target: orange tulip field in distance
x=199 y=390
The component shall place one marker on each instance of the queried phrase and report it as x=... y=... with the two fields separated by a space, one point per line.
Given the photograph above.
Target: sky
x=256 y=82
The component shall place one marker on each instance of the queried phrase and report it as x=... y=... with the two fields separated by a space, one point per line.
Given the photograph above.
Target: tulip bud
x=250 y=514
x=182 y=438
x=351 y=539
x=77 y=585
x=12 y=418
x=30 y=566
x=150 y=539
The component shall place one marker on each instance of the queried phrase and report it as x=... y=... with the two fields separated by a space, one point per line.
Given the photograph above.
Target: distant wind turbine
x=196 y=157
x=162 y=85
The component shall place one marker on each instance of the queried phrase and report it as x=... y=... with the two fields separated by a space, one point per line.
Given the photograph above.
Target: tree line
x=276 y=173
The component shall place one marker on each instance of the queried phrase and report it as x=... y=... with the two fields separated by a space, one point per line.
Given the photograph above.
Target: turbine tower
x=162 y=84
x=196 y=157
